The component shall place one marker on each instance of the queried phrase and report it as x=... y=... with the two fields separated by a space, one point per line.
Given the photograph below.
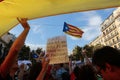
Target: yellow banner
x=57 y=47
x=31 y=9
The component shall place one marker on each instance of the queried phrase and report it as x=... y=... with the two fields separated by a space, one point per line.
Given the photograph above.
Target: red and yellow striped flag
x=72 y=30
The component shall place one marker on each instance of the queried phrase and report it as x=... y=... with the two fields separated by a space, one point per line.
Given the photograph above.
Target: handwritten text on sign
x=57 y=47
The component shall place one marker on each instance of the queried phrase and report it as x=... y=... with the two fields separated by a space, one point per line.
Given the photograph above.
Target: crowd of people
x=105 y=64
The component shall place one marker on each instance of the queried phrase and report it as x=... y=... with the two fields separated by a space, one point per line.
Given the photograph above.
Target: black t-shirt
x=6 y=78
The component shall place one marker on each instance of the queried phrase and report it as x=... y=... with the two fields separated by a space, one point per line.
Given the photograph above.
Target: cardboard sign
x=57 y=47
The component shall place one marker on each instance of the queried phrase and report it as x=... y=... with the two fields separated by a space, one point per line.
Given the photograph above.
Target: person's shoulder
x=8 y=77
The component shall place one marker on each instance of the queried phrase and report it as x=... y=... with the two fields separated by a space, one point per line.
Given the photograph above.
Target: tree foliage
x=39 y=50
x=78 y=50
x=77 y=53
x=24 y=53
x=89 y=50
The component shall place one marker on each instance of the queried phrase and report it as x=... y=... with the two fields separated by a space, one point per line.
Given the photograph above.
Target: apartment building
x=110 y=29
x=97 y=40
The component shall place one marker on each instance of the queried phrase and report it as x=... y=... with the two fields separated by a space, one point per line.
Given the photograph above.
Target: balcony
x=110 y=30
x=109 y=22
x=112 y=36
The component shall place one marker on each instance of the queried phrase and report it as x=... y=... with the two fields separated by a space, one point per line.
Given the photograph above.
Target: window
x=110 y=29
x=113 y=40
x=107 y=31
x=115 y=46
x=103 y=33
x=105 y=25
x=118 y=19
x=117 y=38
x=113 y=26
x=110 y=43
x=119 y=45
x=111 y=34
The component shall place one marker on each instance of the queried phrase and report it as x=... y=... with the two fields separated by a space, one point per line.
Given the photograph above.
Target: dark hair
x=76 y=72
x=65 y=76
x=108 y=55
x=61 y=64
x=85 y=72
x=35 y=70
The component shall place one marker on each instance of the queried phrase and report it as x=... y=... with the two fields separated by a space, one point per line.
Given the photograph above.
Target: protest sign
x=57 y=47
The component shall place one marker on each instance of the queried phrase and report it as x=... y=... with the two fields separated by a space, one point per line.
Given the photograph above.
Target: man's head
x=107 y=62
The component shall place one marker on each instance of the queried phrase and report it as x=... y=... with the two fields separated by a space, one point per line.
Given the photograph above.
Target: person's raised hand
x=84 y=52
x=45 y=61
x=24 y=22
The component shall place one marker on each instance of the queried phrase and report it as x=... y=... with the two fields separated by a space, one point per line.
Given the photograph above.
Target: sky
x=48 y=27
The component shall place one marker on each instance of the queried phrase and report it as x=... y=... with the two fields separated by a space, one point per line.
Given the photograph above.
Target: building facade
x=110 y=29
x=97 y=40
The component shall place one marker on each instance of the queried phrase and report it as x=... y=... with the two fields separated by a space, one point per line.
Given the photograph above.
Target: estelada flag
x=72 y=30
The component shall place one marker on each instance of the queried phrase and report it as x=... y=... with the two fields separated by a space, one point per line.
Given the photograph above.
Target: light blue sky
x=48 y=27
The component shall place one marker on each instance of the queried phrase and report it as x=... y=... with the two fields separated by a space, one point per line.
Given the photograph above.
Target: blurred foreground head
x=107 y=62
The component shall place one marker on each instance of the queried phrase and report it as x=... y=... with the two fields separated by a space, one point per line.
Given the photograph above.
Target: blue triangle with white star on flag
x=65 y=28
